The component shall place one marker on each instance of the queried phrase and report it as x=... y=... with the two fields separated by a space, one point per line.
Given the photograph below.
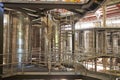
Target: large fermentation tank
x=86 y=41
x=107 y=41
x=99 y=46
x=99 y=40
x=16 y=39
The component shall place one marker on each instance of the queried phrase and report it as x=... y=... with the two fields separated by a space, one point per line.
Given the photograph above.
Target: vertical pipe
x=40 y=56
x=59 y=42
x=10 y=41
x=73 y=40
x=111 y=64
x=1 y=37
x=43 y=44
x=26 y=28
x=30 y=32
x=30 y=42
x=92 y=65
x=50 y=57
x=86 y=67
x=95 y=42
x=14 y=39
x=105 y=43
x=104 y=15
x=95 y=62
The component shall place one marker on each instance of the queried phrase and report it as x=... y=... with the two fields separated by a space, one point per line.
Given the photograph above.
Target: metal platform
x=78 y=8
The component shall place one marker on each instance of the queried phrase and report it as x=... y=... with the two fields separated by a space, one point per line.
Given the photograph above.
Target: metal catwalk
x=40 y=41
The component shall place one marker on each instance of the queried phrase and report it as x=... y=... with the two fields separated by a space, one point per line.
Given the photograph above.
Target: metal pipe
x=26 y=38
x=9 y=42
x=1 y=37
x=104 y=15
x=95 y=62
x=60 y=50
x=30 y=32
x=14 y=39
x=73 y=39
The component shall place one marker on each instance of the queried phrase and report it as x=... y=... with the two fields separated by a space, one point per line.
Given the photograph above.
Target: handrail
x=46 y=1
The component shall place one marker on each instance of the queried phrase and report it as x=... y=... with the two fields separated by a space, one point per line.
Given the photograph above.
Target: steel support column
x=1 y=37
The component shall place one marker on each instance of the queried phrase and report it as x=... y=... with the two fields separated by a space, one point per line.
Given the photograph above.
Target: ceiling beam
x=42 y=5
